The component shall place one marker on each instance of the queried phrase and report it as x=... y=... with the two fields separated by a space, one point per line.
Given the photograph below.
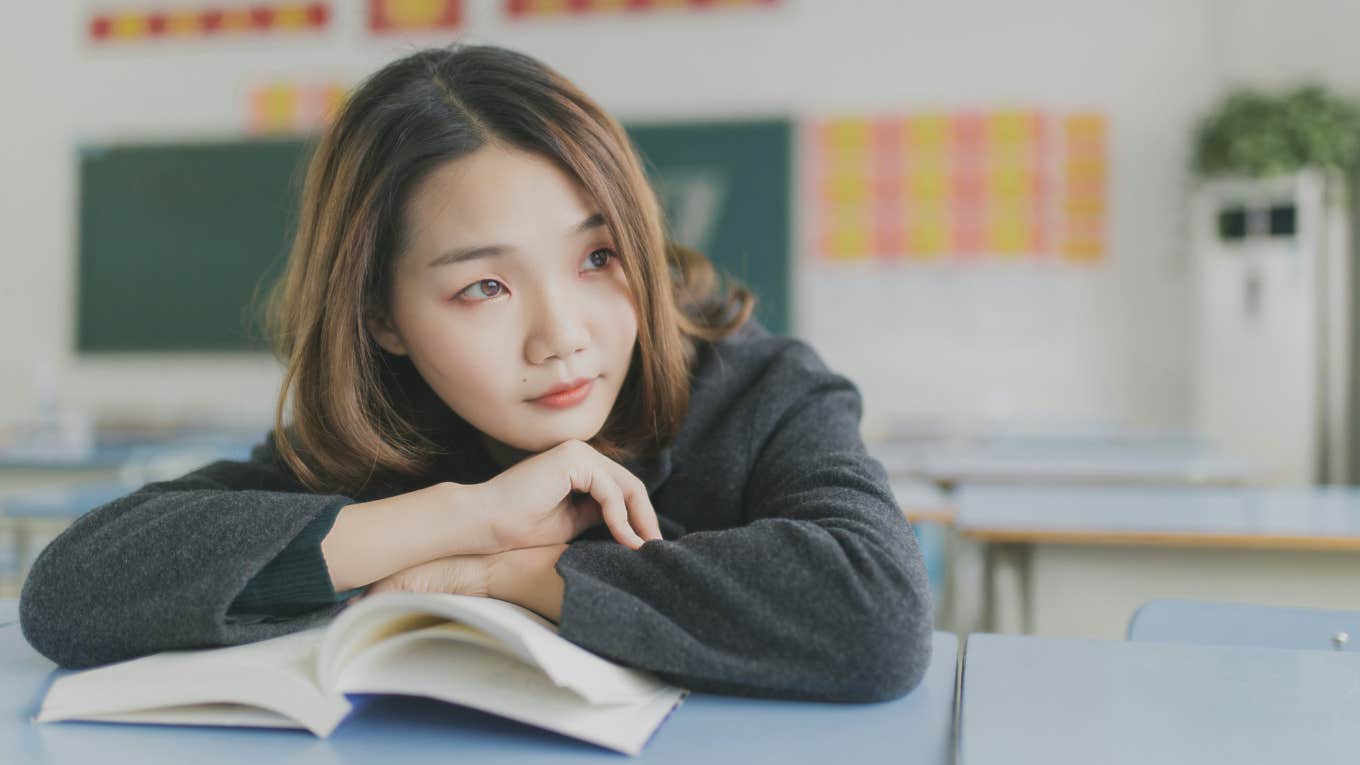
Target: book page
x=440 y=663
x=275 y=677
x=518 y=632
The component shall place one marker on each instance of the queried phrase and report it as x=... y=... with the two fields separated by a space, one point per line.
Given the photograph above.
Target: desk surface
x=1065 y=700
x=1004 y=430
x=1322 y=518
x=1134 y=462
x=112 y=450
x=382 y=729
x=1226 y=623
x=65 y=501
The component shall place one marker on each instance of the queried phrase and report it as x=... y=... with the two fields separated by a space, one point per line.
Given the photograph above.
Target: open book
x=478 y=652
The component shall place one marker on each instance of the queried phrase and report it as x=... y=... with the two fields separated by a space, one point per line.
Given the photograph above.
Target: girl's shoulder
x=754 y=366
x=754 y=353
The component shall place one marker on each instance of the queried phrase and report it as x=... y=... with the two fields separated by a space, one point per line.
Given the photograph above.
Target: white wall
x=1274 y=44
x=1106 y=342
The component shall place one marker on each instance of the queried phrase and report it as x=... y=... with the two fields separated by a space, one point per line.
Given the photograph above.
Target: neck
x=504 y=456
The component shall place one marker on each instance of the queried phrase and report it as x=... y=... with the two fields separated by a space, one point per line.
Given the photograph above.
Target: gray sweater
x=786 y=568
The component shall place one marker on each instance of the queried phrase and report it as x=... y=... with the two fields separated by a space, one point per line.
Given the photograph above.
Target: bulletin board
x=179 y=241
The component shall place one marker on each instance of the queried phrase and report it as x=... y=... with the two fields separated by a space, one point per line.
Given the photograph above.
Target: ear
x=386 y=336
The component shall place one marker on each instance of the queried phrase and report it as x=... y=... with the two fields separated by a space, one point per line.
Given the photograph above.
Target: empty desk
x=1085 y=559
x=1052 y=701
x=1133 y=462
x=1215 y=623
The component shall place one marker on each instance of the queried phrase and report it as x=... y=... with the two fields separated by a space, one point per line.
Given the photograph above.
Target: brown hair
x=360 y=412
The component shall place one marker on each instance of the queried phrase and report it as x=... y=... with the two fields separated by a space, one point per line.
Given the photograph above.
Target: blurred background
x=1089 y=262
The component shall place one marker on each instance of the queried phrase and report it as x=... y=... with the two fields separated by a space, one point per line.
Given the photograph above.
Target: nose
x=558 y=331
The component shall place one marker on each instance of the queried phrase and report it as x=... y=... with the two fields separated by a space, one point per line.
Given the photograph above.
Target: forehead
x=496 y=194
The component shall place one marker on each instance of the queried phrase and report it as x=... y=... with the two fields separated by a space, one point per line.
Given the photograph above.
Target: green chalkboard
x=725 y=187
x=178 y=242
x=176 y=239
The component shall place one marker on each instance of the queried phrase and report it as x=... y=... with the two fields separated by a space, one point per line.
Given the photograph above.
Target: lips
x=563 y=388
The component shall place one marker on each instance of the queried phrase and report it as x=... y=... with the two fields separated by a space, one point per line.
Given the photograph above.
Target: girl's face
x=510 y=286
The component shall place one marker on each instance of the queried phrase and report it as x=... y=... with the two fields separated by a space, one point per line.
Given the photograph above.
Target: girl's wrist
x=528 y=577
x=465 y=526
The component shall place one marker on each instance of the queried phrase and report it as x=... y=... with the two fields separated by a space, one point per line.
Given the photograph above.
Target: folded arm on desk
x=820 y=595
x=161 y=568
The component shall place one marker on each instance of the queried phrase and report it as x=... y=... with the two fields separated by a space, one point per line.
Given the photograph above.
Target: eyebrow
x=464 y=254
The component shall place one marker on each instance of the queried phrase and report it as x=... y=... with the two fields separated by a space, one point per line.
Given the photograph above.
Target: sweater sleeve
x=821 y=594
x=297 y=580
x=161 y=568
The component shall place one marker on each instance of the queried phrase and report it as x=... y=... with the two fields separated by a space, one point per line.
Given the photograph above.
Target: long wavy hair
x=360 y=412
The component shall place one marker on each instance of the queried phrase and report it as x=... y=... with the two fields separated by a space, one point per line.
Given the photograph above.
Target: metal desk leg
x=1007 y=564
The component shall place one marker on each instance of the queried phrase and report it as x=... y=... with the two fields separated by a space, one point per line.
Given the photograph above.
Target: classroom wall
x=1029 y=340
x=1276 y=44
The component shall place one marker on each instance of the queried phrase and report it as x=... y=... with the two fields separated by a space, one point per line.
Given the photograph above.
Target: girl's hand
x=552 y=497
x=455 y=575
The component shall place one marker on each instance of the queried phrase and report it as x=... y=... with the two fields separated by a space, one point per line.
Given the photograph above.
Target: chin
x=547 y=439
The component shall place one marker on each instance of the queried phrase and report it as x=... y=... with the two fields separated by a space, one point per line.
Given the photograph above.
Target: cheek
x=622 y=317
x=457 y=361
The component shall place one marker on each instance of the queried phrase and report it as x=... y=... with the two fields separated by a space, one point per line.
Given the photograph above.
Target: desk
x=128 y=455
x=1085 y=559
x=705 y=729
x=1211 y=623
x=1175 y=461
x=1008 y=430
x=9 y=611
x=1061 y=700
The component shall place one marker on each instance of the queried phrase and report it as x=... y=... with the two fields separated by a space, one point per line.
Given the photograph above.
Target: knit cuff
x=297 y=579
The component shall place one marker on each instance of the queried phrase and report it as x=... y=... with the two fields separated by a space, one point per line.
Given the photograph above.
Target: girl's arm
x=821 y=594
x=528 y=576
x=163 y=567
x=371 y=540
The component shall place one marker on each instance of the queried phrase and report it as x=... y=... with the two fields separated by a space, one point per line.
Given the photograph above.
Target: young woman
x=505 y=381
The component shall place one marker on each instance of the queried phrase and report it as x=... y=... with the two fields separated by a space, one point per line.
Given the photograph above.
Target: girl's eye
x=482 y=290
x=600 y=258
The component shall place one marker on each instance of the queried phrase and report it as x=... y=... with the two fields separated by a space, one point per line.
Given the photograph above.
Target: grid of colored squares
x=959 y=185
x=528 y=8
x=1084 y=178
x=255 y=18
x=281 y=108
x=395 y=15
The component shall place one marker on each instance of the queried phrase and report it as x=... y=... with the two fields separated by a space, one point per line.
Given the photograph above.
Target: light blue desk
x=1281 y=545
x=1127 y=462
x=706 y=729
x=1213 y=623
x=996 y=430
x=112 y=450
x=9 y=611
x=66 y=501
x=1300 y=518
x=1063 y=700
